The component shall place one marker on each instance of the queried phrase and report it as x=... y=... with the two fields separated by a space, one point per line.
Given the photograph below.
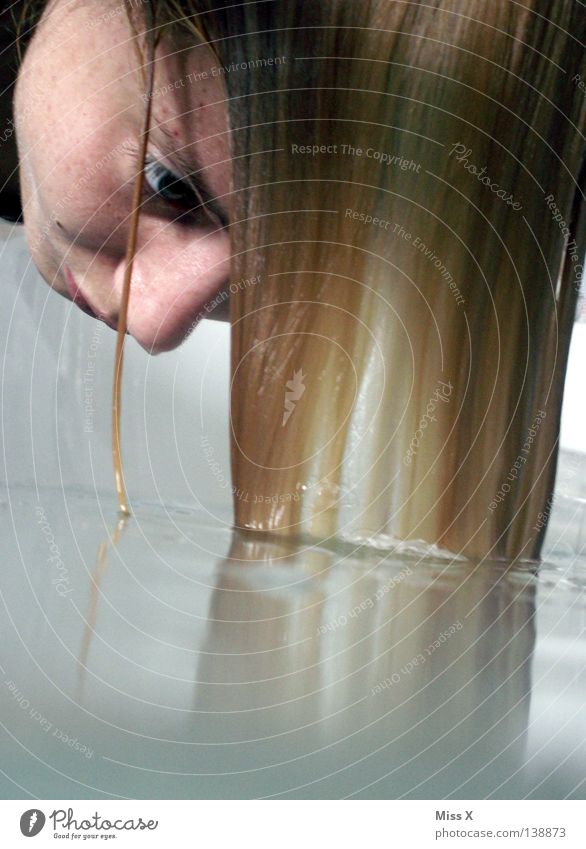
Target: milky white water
x=190 y=664
x=170 y=659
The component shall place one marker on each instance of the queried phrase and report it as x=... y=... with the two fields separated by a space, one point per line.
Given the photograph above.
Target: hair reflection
x=414 y=674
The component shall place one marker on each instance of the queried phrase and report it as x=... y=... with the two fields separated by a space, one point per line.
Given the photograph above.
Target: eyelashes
x=179 y=194
x=168 y=186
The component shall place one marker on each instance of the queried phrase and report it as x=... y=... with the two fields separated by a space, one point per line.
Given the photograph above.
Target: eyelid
x=153 y=160
x=204 y=204
x=180 y=182
x=175 y=183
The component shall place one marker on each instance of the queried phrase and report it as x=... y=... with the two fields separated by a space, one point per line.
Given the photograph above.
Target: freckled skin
x=78 y=110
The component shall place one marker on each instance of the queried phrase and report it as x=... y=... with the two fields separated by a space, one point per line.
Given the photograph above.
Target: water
x=188 y=662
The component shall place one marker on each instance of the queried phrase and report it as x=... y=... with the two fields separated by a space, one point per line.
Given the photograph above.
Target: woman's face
x=79 y=109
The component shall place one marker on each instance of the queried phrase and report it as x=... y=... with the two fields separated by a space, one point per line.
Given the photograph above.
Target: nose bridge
x=181 y=255
x=176 y=271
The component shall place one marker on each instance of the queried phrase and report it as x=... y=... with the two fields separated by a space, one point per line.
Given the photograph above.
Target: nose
x=177 y=270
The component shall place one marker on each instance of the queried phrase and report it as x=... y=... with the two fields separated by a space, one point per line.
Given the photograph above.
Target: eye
x=195 y=202
x=169 y=186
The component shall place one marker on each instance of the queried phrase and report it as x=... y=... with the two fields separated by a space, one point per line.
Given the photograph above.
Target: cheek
x=71 y=162
x=171 y=287
x=73 y=195
x=88 y=205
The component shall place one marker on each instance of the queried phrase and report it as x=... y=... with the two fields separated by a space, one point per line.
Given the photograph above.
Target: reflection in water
x=416 y=670
x=212 y=665
x=96 y=579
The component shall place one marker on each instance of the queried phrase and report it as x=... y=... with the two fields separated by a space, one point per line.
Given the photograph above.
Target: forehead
x=189 y=105
x=105 y=41
x=86 y=62
x=188 y=87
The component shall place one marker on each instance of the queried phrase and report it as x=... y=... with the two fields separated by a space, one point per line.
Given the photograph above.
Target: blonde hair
x=406 y=184
x=407 y=189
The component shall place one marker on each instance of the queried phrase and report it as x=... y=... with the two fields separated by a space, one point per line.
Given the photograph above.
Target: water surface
x=170 y=658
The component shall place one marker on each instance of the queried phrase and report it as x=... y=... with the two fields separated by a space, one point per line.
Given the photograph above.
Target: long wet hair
x=408 y=187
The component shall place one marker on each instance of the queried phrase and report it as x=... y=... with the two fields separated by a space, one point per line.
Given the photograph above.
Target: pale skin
x=79 y=107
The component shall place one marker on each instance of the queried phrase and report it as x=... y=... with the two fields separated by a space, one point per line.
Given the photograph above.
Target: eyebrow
x=191 y=171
